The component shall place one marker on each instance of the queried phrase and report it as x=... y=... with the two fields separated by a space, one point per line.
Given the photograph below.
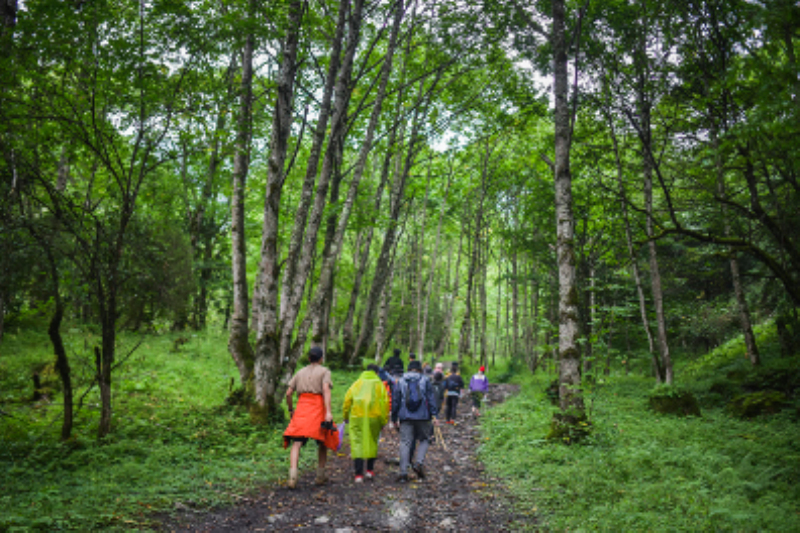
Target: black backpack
x=414 y=397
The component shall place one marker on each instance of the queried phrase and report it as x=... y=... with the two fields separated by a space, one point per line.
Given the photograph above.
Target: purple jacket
x=479 y=383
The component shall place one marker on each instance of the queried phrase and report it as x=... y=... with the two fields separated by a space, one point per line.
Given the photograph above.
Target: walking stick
x=439 y=437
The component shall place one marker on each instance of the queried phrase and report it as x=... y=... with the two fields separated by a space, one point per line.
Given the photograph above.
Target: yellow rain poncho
x=366 y=408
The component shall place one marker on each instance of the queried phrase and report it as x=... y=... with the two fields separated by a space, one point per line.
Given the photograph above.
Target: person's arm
x=289 y=393
x=326 y=396
x=348 y=402
x=395 y=402
x=433 y=406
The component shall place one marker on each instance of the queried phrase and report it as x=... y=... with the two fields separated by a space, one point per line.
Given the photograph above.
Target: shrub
x=674 y=400
x=758 y=403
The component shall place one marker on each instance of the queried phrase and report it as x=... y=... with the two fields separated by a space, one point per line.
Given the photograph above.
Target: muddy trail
x=456 y=493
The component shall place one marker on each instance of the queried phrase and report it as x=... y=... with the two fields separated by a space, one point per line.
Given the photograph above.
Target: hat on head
x=412 y=356
x=315 y=354
x=414 y=365
x=483 y=368
x=397 y=351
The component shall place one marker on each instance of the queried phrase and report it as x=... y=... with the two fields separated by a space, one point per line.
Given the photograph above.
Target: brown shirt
x=311 y=379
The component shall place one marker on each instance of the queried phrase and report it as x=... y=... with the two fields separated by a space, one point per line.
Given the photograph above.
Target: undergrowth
x=174 y=443
x=641 y=471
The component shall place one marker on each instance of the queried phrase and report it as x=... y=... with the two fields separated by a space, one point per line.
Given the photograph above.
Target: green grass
x=643 y=471
x=173 y=440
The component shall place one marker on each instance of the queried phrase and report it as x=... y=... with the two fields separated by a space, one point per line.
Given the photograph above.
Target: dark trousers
x=359 y=464
x=451 y=405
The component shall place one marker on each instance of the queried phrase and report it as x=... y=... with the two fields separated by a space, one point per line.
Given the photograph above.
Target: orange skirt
x=307 y=422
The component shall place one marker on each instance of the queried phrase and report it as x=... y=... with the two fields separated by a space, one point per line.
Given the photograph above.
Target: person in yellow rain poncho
x=366 y=411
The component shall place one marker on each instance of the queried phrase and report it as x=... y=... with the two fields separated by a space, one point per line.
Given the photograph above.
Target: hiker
x=413 y=406
x=453 y=386
x=438 y=391
x=394 y=365
x=427 y=370
x=366 y=412
x=312 y=419
x=478 y=386
x=439 y=367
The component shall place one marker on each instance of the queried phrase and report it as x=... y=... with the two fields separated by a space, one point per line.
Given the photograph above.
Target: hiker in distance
x=394 y=365
x=478 y=387
x=414 y=406
x=312 y=419
x=453 y=386
x=366 y=411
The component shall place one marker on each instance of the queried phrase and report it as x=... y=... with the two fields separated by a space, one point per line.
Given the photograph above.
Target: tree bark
x=238 y=342
x=571 y=398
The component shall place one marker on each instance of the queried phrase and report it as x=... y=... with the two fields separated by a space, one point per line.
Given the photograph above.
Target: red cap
x=483 y=368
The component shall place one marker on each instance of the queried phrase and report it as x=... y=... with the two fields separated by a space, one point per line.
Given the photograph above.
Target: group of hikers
x=408 y=401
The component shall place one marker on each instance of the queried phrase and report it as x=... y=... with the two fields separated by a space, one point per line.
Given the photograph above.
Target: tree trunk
x=310 y=212
x=514 y=304
x=238 y=342
x=570 y=393
x=632 y=253
x=744 y=312
x=450 y=302
x=655 y=275
x=268 y=368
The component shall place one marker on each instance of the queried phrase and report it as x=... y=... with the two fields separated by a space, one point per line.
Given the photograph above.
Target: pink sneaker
x=370 y=474
x=359 y=479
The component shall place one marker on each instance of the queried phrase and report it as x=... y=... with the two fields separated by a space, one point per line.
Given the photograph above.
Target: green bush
x=672 y=400
x=758 y=403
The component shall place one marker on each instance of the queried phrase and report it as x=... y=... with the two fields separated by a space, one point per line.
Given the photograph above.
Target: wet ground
x=456 y=493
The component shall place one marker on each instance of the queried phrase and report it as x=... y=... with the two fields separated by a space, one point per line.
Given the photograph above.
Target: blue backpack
x=414 y=396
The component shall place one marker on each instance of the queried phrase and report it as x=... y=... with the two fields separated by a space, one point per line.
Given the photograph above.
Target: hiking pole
x=438 y=432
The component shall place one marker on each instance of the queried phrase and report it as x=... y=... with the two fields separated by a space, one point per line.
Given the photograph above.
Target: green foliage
x=643 y=472
x=732 y=350
x=174 y=439
x=669 y=399
x=758 y=403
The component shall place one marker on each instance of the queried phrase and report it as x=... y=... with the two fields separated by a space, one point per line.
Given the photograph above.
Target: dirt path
x=456 y=494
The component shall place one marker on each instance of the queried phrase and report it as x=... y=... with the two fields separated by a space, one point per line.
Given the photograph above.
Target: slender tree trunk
x=329 y=260
x=655 y=275
x=450 y=302
x=299 y=270
x=484 y=303
x=515 y=303
x=238 y=342
x=744 y=313
x=637 y=278
x=434 y=261
x=268 y=368
x=535 y=348
x=571 y=398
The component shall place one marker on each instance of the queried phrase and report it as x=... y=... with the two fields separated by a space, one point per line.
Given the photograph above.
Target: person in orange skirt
x=312 y=419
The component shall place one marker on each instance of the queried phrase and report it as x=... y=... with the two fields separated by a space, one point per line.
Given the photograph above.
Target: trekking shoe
x=322 y=478
x=370 y=474
x=419 y=469
x=402 y=478
x=359 y=479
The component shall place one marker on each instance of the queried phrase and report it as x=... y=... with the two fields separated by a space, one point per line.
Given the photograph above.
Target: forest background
x=595 y=193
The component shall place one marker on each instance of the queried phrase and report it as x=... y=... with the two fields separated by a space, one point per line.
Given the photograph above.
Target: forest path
x=455 y=495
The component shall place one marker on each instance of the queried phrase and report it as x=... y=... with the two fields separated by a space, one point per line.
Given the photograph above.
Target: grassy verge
x=174 y=440
x=643 y=471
